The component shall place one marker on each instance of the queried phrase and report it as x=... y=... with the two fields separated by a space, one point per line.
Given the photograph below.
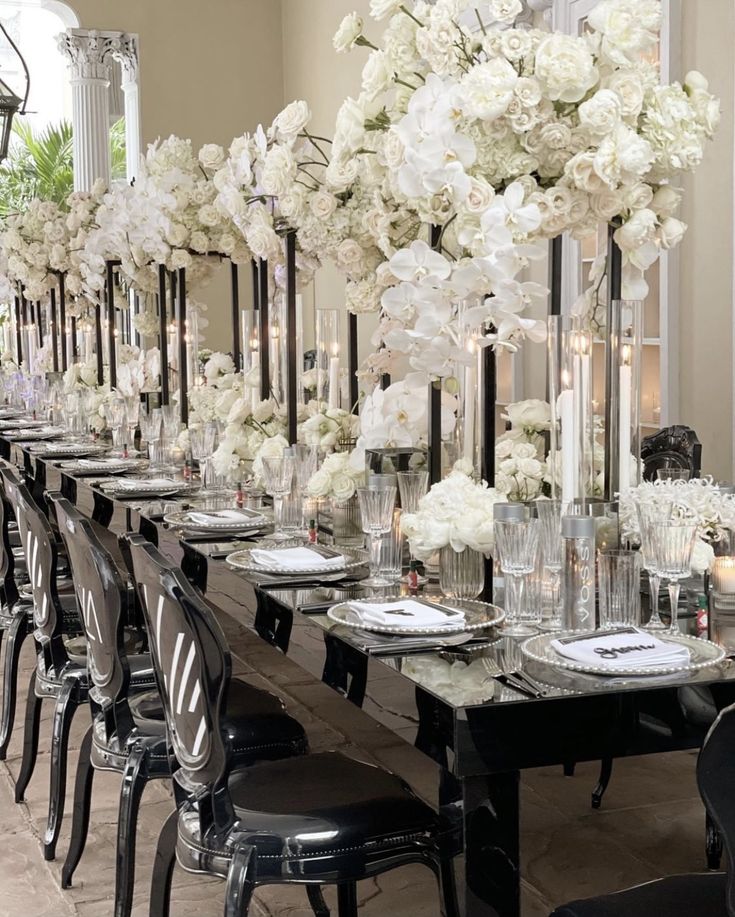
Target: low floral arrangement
x=339 y=477
x=326 y=427
x=456 y=512
x=520 y=453
x=700 y=500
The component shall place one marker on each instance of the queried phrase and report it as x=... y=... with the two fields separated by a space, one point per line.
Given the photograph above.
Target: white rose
x=565 y=68
x=180 y=259
x=349 y=129
x=505 y=11
x=524 y=451
x=528 y=91
x=323 y=204
x=377 y=74
x=208 y=215
x=530 y=468
x=601 y=113
x=607 y=204
x=671 y=232
x=393 y=150
x=666 y=201
x=532 y=414
x=349 y=253
x=638 y=196
x=637 y=231
x=504 y=448
x=320 y=483
x=350 y=29
x=212 y=156
x=292 y=120
x=176 y=234
x=343 y=487
x=703 y=556
x=629 y=90
x=480 y=196
x=487 y=89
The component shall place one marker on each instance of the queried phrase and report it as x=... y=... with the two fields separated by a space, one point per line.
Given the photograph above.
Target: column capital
x=89 y=52
x=126 y=54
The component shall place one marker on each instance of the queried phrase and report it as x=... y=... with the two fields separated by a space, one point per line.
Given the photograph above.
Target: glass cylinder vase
x=461 y=574
x=624 y=396
x=346 y=527
x=327 y=357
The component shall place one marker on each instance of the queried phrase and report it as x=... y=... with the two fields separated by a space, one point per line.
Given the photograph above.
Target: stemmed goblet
x=117 y=418
x=516 y=543
x=376 y=513
x=673 y=546
x=278 y=474
x=150 y=428
x=412 y=486
x=202 y=440
x=650 y=514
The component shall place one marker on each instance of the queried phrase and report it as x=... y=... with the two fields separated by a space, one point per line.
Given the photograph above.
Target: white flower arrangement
x=339 y=477
x=456 y=512
x=699 y=500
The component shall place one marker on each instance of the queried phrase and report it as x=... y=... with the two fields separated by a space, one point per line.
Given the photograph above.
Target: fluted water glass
x=376 y=512
x=516 y=544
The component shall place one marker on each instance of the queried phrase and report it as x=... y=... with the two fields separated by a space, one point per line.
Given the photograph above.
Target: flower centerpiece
x=456 y=518
x=520 y=453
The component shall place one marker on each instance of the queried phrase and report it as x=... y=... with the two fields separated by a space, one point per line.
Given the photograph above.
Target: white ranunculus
x=349 y=129
x=341 y=173
x=379 y=9
x=377 y=74
x=565 y=68
x=600 y=113
x=320 y=483
x=212 y=156
x=350 y=29
x=671 y=232
x=343 y=487
x=487 y=89
x=292 y=120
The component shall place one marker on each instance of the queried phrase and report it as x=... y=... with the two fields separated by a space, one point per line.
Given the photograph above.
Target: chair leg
x=66 y=705
x=713 y=845
x=448 y=888
x=30 y=739
x=82 y=807
x=17 y=632
x=347 y=899
x=316 y=901
x=163 y=868
x=135 y=777
x=606 y=766
x=569 y=767
x=240 y=881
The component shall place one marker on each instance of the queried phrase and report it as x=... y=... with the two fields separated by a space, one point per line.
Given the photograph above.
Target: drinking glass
x=132 y=411
x=412 y=486
x=150 y=427
x=201 y=442
x=376 y=510
x=307 y=461
x=648 y=515
x=278 y=473
x=549 y=514
x=516 y=544
x=673 y=544
x=391 y=550
x=620 y=588
x=673 y=474
x=117 y=419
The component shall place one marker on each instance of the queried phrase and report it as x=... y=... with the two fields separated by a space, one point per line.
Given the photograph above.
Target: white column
x=127 y=55
x=88 y=53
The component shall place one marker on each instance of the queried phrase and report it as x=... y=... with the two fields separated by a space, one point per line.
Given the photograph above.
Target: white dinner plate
x=243 y=561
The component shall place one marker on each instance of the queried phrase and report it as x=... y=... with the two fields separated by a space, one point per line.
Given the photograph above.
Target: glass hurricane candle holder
x=327 y=357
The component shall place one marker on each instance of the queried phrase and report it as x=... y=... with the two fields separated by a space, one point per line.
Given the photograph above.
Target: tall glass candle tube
x=251 y=354
x=327 y=356
x=626 y=339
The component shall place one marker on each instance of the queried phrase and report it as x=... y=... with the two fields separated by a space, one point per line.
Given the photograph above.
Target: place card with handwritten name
x=624 y=648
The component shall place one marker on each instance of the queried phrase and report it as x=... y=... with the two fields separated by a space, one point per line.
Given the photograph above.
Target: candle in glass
x=327 y=348
x=569 y=458
x=723 y=575
x=626 y=386
x=470 y=402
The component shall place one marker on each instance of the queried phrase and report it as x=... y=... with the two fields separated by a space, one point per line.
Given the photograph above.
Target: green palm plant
x=40 y=164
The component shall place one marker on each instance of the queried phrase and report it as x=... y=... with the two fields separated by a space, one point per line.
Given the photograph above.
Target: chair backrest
x=193 y=667
x=103 y=599
x=716 y=778
x=8 y=584
x=39 y=548
x=672 y=447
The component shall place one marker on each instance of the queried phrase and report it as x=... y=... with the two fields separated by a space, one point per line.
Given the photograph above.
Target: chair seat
x=700 y=895
x=318 y=814
x=255 y=722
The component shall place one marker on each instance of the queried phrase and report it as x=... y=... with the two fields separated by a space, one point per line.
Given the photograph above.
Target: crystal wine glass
x=516 y=543
x=278 y=475
x=306 y=463
x=412 y=486
x=549 y=514
x=673 y=544
x=150 y=427
x=116 y=418
x=376 y=512
x=648 y=515
x=673 y=474
x=202 y=440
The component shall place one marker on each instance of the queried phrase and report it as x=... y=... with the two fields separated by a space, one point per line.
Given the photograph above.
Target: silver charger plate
x=114 y=466
x=242 y=561
x=32 y=435
x=702 y=653
x=477 y=616
x=62 y=450
x=144 y=489
x=184 y=520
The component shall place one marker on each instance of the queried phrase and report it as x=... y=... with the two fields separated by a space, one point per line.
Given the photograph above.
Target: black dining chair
x=314 y=820
x=16 y=622
x=697 y=895
x=128 y=733
x=58 y=675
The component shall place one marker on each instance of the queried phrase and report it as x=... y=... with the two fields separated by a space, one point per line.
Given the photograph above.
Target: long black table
x=480 y=735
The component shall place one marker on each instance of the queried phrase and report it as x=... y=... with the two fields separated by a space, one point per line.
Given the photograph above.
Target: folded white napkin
x=99 y=463
x=224 y=515
x=408 y=613
x=625 y=648
x=296 y=559
x=136 y=484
